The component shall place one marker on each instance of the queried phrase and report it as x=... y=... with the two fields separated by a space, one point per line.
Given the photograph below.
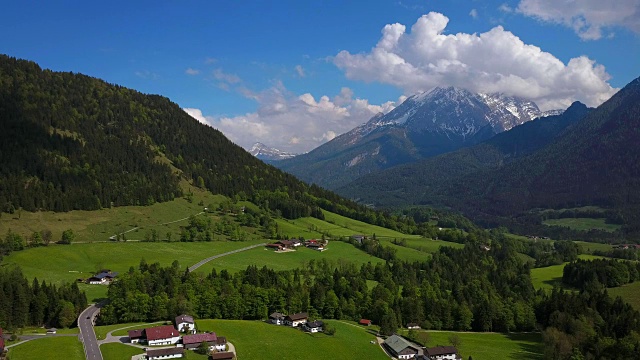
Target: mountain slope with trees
x=594 y=162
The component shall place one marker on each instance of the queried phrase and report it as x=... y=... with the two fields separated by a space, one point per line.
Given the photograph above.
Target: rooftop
x=164 y=352
x=397 y=343
x=441 y=350
x=184 y=319
x=161 y=332
x=221 y=356
x=134 y=334
x=298 y=316
x=199 y=338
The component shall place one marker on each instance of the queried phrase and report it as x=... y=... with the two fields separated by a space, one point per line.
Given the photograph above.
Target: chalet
x=222 y=356
x=442 y=353
x=136 y=336
x=413 y=326
x=276 y=247
x=316 y=246
x=102 y=278
x=221 y=343
x=296 y=319
x=162 y=335
x=313 y=326
x=400 y=348
x=162 y=354
x=287 y=244
x=359 y=238
x=296 y=242
x=364 y=322
x=276 y=318
x=185 y=323
x=192 y=342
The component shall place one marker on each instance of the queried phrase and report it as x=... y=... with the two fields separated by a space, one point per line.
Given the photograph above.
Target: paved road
x=202 y=262
x=87 y=334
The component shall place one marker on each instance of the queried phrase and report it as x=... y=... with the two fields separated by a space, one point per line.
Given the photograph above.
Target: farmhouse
x=162 y=335
x=102 y=278
x=400 y=348
x=162 y=354
x=192 y=342
x=316 y=246
x=276 y=247
x=287 y=244
x=221 y=356
x=359 y=238
x=442 y=353
x=221 y=343
x=296 y=319
x=413 y=326
x=136 y=336
x=296 y=242
x=276 y=318
x=184 y=323
x=364 y=322
x=313 y=326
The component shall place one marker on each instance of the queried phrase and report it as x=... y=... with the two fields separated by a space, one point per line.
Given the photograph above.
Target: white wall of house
x=135 y=341
x=190 y=326
x=168 y=341
x=221 y=347
x=446 y=357
x=296 y=323
x=277 y=321
x=162 y=357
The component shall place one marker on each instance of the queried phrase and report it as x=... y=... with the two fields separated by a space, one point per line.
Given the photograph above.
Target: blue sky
x=294 y=74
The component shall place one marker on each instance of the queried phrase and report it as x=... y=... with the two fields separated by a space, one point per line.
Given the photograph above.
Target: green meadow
x=259 y=340
x=629 y=293
x=50 y=348
x=117 y=351
x=583 y=224
x=547 y=277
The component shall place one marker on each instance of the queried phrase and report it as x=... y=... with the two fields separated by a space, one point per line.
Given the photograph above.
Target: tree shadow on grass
x=528 y=351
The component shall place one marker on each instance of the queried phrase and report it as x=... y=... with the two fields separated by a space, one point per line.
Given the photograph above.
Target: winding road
x=202 y=262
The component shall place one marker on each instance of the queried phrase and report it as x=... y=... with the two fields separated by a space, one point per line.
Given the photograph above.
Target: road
x=87 y=334
x=202 y=262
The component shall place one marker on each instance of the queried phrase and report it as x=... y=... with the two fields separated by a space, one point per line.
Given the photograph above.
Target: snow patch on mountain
x=263 y=152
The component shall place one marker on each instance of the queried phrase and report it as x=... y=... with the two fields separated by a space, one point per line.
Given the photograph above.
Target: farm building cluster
x=102 y=277
x=299 y=320
x=401 y=348
x=288 y=245
x=183 y=336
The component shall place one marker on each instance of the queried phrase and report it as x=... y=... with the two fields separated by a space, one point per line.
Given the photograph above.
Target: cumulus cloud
x=473 y=13
x=590 y=19
x=300 y=71
x=505 y=8
x=494 y=61
x=296 y=123
x=191 y=71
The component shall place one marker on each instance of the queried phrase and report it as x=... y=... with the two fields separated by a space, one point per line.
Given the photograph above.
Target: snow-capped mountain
x=424 y=125
x=263 y=152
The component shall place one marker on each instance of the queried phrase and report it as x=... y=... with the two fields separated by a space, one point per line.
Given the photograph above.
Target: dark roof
x=199 y=338
x=441 y=350
x=221 y=340
x=222 y=355
x=161 y=332
x=136 y=334
x=315 y=324
x=298 y=316
x=276 y=315
x=166 y=351
x=184 y=319
x=397 y=343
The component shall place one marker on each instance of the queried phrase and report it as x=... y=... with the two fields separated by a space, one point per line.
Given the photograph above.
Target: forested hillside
x=594 y=162
x=69 y=141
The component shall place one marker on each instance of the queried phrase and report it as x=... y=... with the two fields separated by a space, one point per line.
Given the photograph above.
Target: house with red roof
x=136 y=336
x=192 y=342
x=185 y=323
x=162 y=335
x=364 y=322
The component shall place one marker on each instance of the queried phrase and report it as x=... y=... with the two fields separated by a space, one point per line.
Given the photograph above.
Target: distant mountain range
x=424 y=125
x=265 y=153
x=579 y=158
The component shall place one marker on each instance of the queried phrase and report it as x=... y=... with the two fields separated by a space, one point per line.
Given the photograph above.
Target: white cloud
x=300 y=71
x=191 y=71
x=224 y=77
x=505 y=8
x=473 y=13
x=494 y=61
x=293 y=123
x=590 y=19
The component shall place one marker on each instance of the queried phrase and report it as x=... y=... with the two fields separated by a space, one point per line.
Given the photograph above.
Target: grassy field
x=429 y=245
x=336 y=252
x=547 y=277
x=583 y=224
x=346 y=227
x=491 y=346
x=65 y=263
x=590 y=247
x=629 y=293
x=259 y=340
x=117 y=351
x=406 y=253
x=51 y=348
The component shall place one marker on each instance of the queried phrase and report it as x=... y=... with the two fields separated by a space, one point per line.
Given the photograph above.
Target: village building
x=316 y=246
x=276 y=247
x=102 y=278
x=276 y=318
x=185 y=323
x=296 y=319
x=401 y=348
x=221 y=343
x=162 y=335
x=192 y=342
x=313 y=326
x=442 y=353
x=359 y=238
x=136 y=336
x=162 y=354
x=296 y=242
x=364 y=322
x=287 y=244
x=222 y=356
x=413 y=326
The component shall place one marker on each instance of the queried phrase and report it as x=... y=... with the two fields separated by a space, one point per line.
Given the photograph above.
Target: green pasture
x=343 y=226
x=629 y=293
x=50 y=348
x=590 y=247
x=491 y=346
x=406 y=253
x=429 y=245
x=336 y=252
x=547 y=277
x=118 y=351
x=583 y=224
x=259 y=340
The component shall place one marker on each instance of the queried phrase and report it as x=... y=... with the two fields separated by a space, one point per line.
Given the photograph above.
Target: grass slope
x=547 y=277
x=55 y=348
x=117 y=351
x=583 y=224
x=629 y=293
x=259 y=340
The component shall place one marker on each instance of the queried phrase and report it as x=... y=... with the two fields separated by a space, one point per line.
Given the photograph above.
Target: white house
x=313 y=326
x=400 y=348
x=162 y=335
x=136 y=336
x=296 y=319
x=162 y=354
x=186 y=324
x=276 y=318
x=442 y=353
x=221 y=343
